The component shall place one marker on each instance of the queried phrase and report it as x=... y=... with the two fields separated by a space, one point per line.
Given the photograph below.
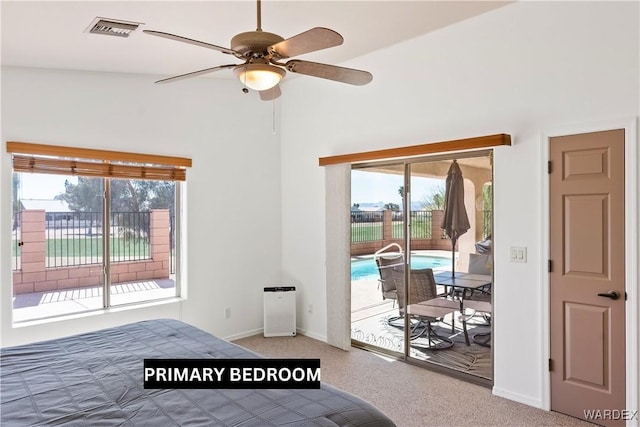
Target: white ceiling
x=52 y=34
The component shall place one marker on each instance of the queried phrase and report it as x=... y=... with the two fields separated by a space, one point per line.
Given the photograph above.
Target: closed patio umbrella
x=455 y=222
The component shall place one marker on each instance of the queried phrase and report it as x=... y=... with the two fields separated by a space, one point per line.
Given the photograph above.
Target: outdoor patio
x=58 y=260
x=370 y=316
x=38 y=305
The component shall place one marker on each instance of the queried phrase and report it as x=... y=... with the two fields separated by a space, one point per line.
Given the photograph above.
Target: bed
x=96 y=379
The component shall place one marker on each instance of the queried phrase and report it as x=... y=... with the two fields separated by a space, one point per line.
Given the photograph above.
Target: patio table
x=465 y=282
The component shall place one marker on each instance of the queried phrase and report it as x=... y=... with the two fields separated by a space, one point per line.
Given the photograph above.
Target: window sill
x=96 y=313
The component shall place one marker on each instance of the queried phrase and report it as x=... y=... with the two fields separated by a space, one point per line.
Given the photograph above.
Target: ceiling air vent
x=112 y=27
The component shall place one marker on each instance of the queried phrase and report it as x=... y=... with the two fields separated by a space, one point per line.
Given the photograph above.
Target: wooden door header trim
x=417 y=150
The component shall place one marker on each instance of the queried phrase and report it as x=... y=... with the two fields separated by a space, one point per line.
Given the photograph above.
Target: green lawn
x=92 y=247
x=365 y=231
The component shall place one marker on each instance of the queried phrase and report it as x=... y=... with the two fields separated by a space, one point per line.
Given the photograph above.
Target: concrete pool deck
x=431 y=252
x=366 y=296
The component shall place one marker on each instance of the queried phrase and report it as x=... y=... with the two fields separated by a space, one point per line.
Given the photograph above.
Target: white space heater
x=280 y=311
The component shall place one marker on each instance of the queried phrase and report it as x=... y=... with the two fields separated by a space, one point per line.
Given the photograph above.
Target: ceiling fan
x=263 y=53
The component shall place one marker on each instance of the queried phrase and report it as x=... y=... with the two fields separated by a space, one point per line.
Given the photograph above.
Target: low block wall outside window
x=34 y=276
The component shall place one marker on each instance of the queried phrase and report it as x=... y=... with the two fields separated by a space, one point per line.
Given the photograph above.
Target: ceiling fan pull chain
x=273 y=112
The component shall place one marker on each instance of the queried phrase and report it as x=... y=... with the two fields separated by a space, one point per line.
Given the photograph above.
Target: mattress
x=96 y=379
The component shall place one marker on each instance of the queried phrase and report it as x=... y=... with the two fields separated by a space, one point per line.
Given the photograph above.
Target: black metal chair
x=429 y=308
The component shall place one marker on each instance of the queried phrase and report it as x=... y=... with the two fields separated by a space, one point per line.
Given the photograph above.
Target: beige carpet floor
x=410 y=395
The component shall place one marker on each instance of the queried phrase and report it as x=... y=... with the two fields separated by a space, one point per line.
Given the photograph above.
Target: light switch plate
x=518 y=254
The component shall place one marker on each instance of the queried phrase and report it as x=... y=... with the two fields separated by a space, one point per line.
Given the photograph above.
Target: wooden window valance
x=418 y=150
x=59 y=160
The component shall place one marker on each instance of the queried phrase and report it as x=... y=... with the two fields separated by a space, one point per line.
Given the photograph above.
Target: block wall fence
x=34 y=276
x=437 y=242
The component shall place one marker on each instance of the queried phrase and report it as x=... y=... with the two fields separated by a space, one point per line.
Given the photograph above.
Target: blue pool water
x=365 y=269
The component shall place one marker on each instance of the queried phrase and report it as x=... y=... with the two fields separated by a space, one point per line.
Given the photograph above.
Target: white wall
x=522 y=69
x=233 y=189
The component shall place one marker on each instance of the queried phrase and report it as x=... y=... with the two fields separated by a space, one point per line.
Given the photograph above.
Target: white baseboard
x=517 y=397
x=315 y=336
x=260 y=331
x=244 y=334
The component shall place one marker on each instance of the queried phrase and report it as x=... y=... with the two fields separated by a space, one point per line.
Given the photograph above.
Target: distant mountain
x=372 y=204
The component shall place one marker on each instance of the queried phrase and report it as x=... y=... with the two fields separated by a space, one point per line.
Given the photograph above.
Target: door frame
x=632 y=334
x=406 y=164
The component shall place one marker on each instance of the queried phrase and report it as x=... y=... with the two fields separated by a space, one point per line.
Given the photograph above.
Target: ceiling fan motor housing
x=254 y=42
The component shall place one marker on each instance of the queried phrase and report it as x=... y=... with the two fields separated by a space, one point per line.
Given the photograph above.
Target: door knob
x=611 y=294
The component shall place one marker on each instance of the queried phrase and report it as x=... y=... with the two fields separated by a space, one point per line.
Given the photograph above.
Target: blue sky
x=366 y=187
x=371 y=187
x=42 y=186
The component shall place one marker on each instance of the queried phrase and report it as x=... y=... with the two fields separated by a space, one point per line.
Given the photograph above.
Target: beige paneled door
x=587 y=278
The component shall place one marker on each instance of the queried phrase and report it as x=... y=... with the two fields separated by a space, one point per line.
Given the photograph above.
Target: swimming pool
x=366 y=269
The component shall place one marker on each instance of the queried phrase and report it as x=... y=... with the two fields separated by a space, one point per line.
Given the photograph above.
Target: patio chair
x=479 y=302
x=385 y=260
x=483 y=307
x=478 y=264
x=426 y=306
x=482 y=264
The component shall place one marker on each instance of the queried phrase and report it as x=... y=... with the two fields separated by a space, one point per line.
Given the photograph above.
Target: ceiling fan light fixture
x=259 y=76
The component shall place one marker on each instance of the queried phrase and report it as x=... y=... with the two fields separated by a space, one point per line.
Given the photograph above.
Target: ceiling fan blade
x=331 y=72
x=196 y=73
x=190 y=41
x=270 y=94
x=314 y=39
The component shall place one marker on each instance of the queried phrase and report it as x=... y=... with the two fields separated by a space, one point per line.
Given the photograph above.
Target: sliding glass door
x=425 y=299
x=377 y=258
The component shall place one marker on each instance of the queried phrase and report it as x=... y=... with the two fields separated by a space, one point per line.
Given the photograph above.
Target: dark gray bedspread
x=96 y=379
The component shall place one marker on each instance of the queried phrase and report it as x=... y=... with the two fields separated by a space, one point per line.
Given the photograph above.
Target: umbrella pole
x=453 y=258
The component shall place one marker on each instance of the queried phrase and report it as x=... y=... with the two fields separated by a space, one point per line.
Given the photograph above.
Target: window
x=92 y=229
